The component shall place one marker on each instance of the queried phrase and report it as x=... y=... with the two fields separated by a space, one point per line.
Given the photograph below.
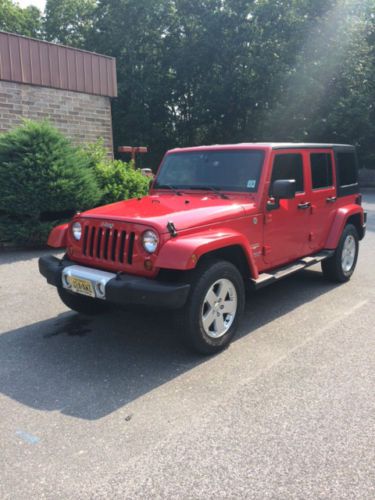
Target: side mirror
x=283 y=189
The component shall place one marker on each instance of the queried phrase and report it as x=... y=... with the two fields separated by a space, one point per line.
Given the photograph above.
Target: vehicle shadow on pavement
x=89 y=367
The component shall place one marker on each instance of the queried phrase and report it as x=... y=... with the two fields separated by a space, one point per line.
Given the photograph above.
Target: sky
x=38 y=3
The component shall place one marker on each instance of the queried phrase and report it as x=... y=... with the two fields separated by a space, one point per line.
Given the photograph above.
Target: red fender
x=338 y=225
x=57 y=237
x=184 y=252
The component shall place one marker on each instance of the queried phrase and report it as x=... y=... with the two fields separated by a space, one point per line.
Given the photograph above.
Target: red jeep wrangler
x=217 y=219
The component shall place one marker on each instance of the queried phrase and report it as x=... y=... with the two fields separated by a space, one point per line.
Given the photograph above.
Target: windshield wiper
x=211 y=188
x=169 y=186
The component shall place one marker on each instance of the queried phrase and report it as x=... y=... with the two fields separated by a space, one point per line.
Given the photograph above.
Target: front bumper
x=123 y=289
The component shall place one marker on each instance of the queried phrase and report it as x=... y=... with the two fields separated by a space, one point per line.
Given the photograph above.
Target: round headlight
x=150 y=241
x=77 y=230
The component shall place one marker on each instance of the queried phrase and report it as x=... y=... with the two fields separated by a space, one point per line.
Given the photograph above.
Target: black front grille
x=108 y=244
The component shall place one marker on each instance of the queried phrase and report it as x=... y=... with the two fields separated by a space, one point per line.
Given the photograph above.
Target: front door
x=286 y=229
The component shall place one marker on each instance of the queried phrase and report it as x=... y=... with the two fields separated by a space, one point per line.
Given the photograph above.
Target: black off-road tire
x=332 y=267
x=190 y=317
x=82 y=304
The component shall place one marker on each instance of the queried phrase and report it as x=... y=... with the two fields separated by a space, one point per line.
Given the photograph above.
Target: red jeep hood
x=184 y=211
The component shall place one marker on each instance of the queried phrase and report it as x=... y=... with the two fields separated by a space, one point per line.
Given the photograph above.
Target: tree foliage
x=69 y=22
x=116 y=179
x=214 y=71
x=17 y=20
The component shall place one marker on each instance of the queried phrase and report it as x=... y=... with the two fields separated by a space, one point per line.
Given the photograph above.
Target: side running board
x=281 y=272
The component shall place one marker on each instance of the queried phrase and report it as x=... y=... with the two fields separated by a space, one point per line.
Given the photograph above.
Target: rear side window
x=321 y=170
x=288 y=166
x=346 y=168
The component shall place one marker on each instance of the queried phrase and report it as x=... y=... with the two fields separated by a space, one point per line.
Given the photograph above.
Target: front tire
x=340 y=267
x=214 y=308
x=82 y=304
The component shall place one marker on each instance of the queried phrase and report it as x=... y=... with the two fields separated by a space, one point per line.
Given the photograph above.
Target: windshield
x=229 y=170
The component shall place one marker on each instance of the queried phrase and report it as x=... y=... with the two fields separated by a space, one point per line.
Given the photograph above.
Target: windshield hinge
x=172 y=230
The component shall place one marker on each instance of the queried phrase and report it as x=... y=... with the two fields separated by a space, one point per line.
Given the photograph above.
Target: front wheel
x=341 y=265
x=214 y=308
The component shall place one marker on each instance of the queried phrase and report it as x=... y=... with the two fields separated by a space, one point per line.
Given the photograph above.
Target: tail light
x=358 y=199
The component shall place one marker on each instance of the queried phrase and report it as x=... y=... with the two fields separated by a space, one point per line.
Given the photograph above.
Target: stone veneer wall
x=82 y=117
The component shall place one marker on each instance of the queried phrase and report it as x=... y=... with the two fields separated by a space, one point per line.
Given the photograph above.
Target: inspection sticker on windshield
x=251 y=183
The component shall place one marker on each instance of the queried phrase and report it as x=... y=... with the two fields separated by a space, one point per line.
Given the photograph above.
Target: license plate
x=84 y=287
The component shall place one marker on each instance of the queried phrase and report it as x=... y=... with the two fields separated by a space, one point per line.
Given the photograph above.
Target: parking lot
x=115 y=407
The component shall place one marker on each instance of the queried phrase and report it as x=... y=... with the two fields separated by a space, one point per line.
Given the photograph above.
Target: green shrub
x=43 y=181
x=117 y=180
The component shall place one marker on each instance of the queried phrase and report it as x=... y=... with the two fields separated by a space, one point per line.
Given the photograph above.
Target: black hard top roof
x=304 y=145
x=265 y=145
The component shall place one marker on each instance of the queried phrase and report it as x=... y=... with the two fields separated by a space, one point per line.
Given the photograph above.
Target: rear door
x=322 y=184
x=286 y=229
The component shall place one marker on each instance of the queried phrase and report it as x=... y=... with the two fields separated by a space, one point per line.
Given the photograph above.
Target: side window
x=288 y=166
x=321 y=170
x=346 y=168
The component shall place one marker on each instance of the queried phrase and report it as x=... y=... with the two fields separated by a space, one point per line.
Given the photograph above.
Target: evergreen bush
x=43 y=181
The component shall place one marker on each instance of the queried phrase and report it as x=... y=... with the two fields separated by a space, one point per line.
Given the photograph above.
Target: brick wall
x=82 y=117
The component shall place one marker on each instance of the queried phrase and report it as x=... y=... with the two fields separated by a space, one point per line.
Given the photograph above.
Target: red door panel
x=323 y=196
x=287 y=228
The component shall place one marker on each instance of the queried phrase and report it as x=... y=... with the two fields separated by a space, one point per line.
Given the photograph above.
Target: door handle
x=331 y=199
x=303 y=206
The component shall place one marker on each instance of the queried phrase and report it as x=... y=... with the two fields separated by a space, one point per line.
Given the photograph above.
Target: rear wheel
x=212 y=313
x=82 y=304
x=341 y=265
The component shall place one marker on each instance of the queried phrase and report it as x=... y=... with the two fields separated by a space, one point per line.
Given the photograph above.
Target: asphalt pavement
x=115 y=407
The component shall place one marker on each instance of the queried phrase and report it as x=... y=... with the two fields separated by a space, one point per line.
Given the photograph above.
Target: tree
x=69 y=22
x=209 y=71
x=17 y=20
x=327 y=95
x=134 y=32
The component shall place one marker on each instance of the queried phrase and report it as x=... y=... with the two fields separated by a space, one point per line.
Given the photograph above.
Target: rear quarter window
x=346 y=168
